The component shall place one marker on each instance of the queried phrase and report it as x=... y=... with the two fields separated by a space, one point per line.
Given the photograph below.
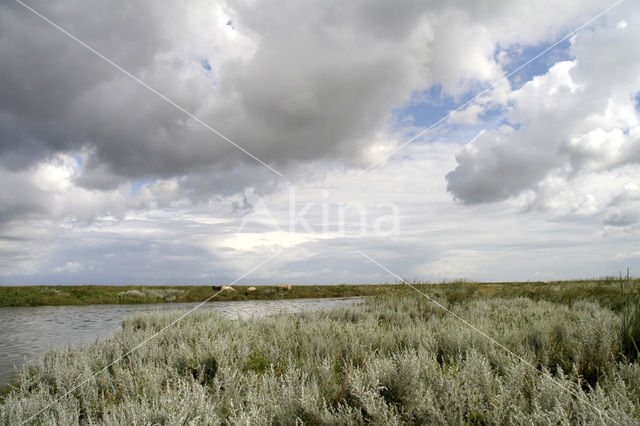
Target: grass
x=394 y=359
x=630 y=329
x=608 y=291
x=99 y=295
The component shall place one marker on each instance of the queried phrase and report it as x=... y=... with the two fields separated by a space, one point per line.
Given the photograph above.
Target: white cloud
x=468 y=115
x=311 y=88
x=576 y=123
x=70 y=267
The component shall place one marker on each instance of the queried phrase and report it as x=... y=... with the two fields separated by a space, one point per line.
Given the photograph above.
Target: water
x=28 y=332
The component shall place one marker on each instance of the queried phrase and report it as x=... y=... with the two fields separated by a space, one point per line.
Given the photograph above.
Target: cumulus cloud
x=579 y=120
x=97 y=169
x=289 y=82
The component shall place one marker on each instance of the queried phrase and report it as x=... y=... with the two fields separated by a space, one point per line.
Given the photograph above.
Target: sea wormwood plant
x=630 y=328
x=395 y=359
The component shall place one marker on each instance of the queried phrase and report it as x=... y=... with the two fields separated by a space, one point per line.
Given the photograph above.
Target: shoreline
x=36 y=329
x=395 y=356
x=25 y=296
x=605 y=289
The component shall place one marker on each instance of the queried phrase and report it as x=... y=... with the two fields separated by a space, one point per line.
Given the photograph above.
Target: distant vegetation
x=394 y=359
x=97 y=295
x=604 y=290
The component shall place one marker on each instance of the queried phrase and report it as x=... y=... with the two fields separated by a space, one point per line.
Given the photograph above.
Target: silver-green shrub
x=168 y=295
x=390 y=360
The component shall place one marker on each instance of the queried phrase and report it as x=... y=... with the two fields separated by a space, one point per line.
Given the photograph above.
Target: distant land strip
x=609 y=291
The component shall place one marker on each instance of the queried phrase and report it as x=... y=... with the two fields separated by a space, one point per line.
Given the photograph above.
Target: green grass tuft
x=630 y=329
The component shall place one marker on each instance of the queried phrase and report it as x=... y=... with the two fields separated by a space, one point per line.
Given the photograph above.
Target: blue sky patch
x=637 y=98
x=136 y=185
x=433 y=104
x=435 y=107
x=79 y=160
x=205 y=64
x=517 y=56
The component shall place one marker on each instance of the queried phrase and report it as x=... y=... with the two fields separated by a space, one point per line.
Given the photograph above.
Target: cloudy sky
x=120 y=159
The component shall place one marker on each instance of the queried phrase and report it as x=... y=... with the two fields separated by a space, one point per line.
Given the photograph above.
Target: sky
x=248 y=142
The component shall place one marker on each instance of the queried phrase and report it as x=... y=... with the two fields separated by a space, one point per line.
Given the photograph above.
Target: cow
x=286 y=287
x=222 y=288
x=250 y=289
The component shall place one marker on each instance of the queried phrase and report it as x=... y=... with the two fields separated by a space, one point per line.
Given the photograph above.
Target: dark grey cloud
x=302 y=95
x=498 y=170
x=292 y=83
x=101 y=178
x=623 y=210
